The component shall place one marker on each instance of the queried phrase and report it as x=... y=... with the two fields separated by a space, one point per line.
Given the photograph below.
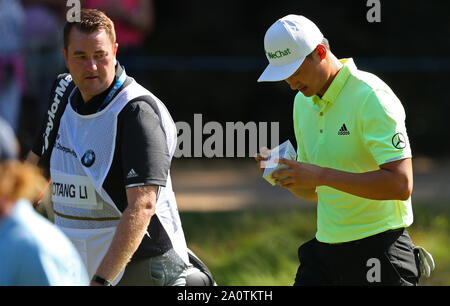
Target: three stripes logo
x=343 y=130
x=132 y=173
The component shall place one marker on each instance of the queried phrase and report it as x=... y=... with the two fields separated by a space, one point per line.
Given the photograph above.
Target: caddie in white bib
x=80 y=161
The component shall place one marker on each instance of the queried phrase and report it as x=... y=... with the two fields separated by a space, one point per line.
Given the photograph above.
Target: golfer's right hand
x=261 y=158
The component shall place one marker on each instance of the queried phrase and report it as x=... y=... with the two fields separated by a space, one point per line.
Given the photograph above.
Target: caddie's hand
x=261 y=158
x=299 y=175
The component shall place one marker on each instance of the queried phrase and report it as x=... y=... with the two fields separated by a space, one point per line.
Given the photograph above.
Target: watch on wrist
x=101 y=280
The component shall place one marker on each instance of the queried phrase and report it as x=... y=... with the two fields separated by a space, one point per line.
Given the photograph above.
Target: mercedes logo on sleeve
x=88 y=158
x=399 y=141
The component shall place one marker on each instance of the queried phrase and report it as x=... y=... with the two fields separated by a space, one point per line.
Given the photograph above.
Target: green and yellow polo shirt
x=357 y=125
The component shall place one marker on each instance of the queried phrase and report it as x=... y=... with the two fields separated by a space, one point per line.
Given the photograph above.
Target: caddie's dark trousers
x=387 y=258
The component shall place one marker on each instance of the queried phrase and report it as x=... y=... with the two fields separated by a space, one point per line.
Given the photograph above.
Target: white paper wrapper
x=285 y=150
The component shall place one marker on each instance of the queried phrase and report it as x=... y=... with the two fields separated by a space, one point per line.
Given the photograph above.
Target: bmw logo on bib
x=88 y=158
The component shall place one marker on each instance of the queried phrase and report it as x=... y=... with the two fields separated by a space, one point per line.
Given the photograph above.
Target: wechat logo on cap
x=278 y=53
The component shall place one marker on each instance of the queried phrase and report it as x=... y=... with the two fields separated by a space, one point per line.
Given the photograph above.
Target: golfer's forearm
x=309 y=194
x=376 y=185
x=130 y=231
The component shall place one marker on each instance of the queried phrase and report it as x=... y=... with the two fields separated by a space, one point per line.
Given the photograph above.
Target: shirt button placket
x=321 y=126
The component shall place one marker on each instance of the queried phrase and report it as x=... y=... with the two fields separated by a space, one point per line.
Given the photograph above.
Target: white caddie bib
x=80 y=160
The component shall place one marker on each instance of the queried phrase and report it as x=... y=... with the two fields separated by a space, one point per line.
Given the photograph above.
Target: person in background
x=12 y=76
x=43 y=60
x=134 y=21
x=34 y=252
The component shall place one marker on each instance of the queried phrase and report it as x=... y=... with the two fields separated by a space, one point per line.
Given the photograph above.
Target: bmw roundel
x=88 y=158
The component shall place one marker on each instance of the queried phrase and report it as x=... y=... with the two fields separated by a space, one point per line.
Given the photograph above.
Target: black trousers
x=387 y=258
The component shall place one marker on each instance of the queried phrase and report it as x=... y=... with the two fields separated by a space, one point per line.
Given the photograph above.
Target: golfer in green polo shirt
x=354 y=160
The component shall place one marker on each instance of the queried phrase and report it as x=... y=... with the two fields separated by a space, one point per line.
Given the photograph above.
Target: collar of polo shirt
x=338 y=83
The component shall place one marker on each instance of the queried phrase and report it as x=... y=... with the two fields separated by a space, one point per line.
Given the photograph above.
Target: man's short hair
x=91 y=20
x=326 y=43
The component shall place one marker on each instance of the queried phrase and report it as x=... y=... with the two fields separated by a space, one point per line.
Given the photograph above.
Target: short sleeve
x=301 y=154
x=144 y=151
x=384 y=128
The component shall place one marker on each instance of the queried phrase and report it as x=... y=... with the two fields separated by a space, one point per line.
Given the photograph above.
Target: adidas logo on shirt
x=343 y=130
x=131 y=174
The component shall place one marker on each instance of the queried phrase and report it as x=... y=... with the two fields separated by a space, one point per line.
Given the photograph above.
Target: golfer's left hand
x=299 y=174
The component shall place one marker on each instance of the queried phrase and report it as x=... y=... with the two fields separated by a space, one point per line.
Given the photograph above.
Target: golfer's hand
x=261 y=158
x=299 y=175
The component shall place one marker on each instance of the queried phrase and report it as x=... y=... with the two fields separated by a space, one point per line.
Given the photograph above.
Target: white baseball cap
x=287 y=42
